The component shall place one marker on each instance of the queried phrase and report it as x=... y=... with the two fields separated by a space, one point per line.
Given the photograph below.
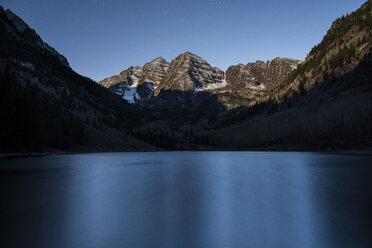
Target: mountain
x=125 y=84
x=188 y=77
x=326 y=103
x=154 y=71
x=46 y=106
x=192 y=96
x=129 y=77
x=136 y=83
x=274 y=72
x=248 y=83
x=261 y=76
x=342 y=49
x=15 y=25
x=189 y=72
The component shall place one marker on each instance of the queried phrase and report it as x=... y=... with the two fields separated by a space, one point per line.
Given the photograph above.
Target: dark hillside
x=45 y=105
x=326 y=103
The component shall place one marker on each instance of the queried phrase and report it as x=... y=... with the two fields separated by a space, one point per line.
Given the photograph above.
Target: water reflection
x=187 y=199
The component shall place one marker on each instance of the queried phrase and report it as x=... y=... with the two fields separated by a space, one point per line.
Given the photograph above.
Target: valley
x=322 y=103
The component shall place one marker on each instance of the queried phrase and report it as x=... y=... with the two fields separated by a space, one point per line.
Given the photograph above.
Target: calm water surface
x=187 y=199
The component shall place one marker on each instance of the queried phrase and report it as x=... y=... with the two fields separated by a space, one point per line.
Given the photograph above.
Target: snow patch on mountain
x=213 y=86
x=128 y=93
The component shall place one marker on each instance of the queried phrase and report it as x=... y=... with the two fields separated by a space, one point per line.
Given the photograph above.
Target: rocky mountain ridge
x=189 y=72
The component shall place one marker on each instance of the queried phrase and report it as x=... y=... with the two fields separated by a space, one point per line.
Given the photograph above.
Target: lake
x=187 y=199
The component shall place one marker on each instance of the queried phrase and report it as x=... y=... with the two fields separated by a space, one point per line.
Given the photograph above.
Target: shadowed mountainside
x=336 y=114
x=324 y=103
x=46 y=106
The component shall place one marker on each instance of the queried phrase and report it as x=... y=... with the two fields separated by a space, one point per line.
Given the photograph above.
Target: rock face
x=136 y=83
x=261 y=76
x=128 y=77
x=154 y=71
x=125 y=84
x=190 y=72
x=272 y=73
x=241 y=81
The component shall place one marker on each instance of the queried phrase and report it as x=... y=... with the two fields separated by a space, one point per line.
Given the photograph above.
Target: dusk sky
x=100 y=38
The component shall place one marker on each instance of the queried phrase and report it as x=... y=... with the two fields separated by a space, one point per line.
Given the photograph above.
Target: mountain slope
x=324 y=104
x=342 y=49
x=45 y=105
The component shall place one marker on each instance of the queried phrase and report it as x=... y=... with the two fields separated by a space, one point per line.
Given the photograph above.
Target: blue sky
x=100 y=38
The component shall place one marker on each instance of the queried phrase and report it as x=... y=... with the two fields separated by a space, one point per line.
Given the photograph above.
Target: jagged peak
x=189 y=55
x=130 y=69
x=158 y=59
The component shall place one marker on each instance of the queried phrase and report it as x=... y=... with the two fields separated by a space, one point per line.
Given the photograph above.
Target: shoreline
x=359 y=152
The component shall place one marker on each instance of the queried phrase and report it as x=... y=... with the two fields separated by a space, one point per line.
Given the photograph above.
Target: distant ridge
x=189 y=72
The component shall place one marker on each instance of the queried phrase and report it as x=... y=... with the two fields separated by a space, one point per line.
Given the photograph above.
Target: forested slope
x=46 y=106
x=325 y=103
